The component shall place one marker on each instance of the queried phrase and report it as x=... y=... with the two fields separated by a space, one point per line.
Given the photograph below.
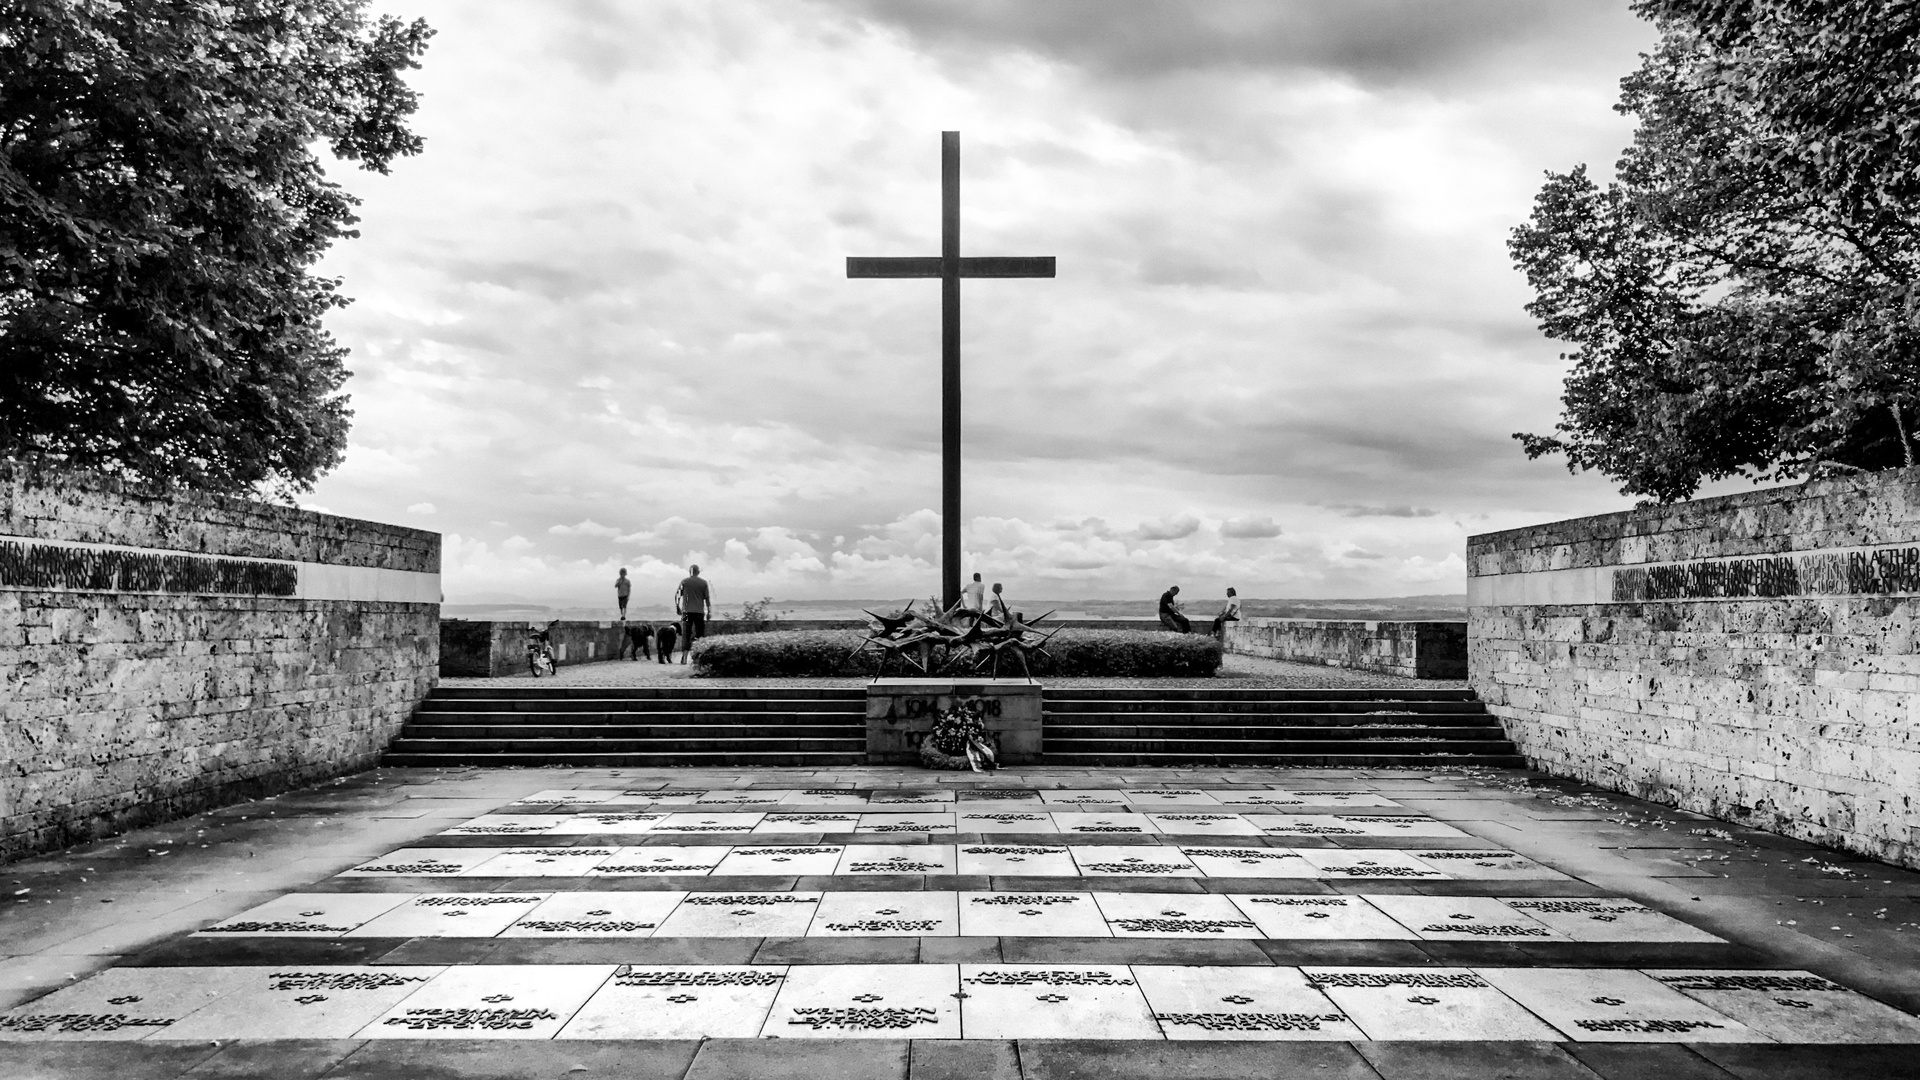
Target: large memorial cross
x=949 y=267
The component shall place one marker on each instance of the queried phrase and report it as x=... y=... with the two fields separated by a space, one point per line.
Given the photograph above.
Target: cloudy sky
x=604 y=320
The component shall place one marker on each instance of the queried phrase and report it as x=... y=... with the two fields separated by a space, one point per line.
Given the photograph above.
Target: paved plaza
x=869 y=922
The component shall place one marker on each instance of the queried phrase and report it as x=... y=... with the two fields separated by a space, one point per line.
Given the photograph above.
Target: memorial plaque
x=303 y=1002
x=1257 y=798
x=909 y=797
x=1117 y=824
x=1084 y=796
x=122 y=1004
x=1606 y=919
x=867 y=1001
x=1613 y=1005
x=1794 y=1006
x=1403 y=825
x=568 y=797
x=824 y=797
x=717 y=823
x=896 y=859
x=308 y=915
x=1358 y=865
x=886 y=914
x=781 y=861
x=1426 y=1003
x=1240 y=1003
x=1184 y=915
x=510 y=825
x=741 y=915
x=450 y=915
x=662 y=797
x=423 y=862
x=825 y=821
x=596 y=914
x=1342 y=799
x=679 y=1002
x=1285 y=917
x=542 y=862
x=924 y=824
x=1002 y=819
x=1202 y=824
x=1114 y=860
x=1463 y=918
x=1016 y=860
x=607 y=822
x=1303 y=825
x=1031 y=1001
x=521 y=1001
x=759 y=800
x=996 y=798
x=655 y=861
x=1170 y=797
x=1047 y=914
x=1262 y=862
x=1487 y=865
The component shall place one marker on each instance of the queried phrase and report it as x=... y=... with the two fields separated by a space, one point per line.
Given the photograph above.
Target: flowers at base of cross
x=960 y=739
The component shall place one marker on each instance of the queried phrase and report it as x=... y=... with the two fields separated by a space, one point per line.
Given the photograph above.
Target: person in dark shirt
x=1170 y=616
x=694 y=604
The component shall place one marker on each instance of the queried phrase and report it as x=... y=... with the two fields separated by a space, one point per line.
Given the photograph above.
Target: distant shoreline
x=1442 y=607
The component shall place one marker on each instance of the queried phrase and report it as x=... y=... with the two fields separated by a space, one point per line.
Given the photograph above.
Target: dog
x=638 y=641
x=663 y=640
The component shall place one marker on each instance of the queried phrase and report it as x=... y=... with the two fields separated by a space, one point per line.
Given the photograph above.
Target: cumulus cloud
x=1282 y=290
x=1250 y=528
x=1172 y=528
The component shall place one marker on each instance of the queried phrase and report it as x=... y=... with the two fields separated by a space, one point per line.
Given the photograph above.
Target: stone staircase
x=635 y=726
x=538 y=724
x=1235 y=726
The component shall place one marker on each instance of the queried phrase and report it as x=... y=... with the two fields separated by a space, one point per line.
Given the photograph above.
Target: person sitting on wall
x=973 y=600
x=1170 y=616
x=1229 y=613
x=997 y=607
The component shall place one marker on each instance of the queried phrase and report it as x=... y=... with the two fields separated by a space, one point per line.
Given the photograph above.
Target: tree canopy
x=1743 y=297
x=161 y=211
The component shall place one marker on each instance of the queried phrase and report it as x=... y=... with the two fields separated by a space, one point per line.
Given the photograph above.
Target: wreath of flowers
x=954 y=729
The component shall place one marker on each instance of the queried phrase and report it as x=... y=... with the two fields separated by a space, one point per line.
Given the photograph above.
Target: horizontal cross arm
x=991 y=266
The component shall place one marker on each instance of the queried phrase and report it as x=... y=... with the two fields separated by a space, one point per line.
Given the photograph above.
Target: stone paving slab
x=1676 y=929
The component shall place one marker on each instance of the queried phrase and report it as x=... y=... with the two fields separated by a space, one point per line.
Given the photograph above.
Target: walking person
x=623 y=588
x=1228 y=613
x=693 y=603
x=1170 y=616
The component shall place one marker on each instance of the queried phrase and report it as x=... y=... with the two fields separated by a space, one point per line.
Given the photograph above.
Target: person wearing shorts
x=622 y=589
x=694 y=604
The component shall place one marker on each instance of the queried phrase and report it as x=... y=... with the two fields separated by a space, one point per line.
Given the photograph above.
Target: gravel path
x=1236 y=671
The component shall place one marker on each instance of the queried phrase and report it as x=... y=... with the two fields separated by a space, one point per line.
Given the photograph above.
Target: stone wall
x=1751 y=657
x=1413 y=650
x=162 y=652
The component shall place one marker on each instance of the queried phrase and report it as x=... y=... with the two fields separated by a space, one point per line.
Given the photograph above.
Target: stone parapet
x=164 y=651
x=1751 y=657
x=1413 y=650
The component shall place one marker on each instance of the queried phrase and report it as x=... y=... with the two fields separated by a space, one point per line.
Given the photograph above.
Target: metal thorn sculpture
x=1019 y=639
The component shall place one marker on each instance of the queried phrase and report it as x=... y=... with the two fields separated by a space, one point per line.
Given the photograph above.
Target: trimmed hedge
x=1076 y=653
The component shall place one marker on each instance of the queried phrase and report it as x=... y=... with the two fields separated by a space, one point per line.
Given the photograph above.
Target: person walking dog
x=694 y=604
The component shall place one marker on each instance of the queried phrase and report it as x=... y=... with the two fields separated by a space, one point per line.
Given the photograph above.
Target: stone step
x=767 y=718
x=1056 y=706
x=488 y=730
x=1305 y=720
x=765 y=758
x=436 y=704
x=670 y=744
x=1406 y=732
x=538 y=689
x=1370 y=760
x=1273 y=745
x=1237 y=693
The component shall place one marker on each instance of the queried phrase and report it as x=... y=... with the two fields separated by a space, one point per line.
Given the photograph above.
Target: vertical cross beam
x=949 y=267
x=950 y=518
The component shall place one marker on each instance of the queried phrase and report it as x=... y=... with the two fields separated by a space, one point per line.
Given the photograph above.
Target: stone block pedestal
x=900 y=714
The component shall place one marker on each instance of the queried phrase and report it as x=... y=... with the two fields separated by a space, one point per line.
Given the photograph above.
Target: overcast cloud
x=604 y=321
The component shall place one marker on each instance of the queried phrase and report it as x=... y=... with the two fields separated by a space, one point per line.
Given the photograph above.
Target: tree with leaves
x=1743 y=297
x=161 y=212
